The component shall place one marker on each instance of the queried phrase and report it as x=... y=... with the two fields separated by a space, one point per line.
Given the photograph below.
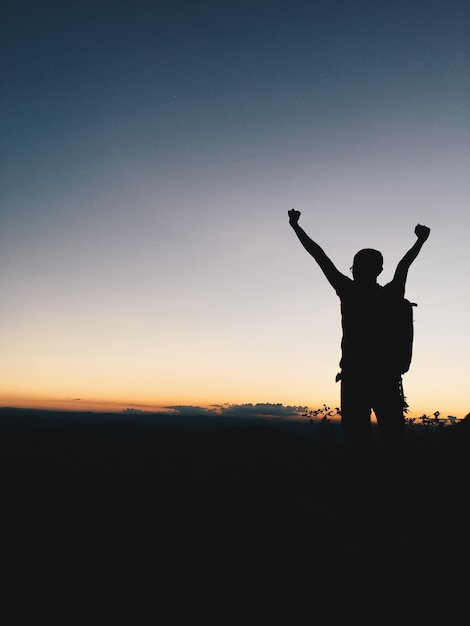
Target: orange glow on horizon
x=118 y=406
x=79 y=405
x=104 y=406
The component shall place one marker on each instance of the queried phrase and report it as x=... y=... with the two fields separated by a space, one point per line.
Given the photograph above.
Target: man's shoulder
x=393 y=290
x=343 y=284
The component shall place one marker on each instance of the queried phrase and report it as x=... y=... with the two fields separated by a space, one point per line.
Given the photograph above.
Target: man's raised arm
x=325 y=263
x=422 y=233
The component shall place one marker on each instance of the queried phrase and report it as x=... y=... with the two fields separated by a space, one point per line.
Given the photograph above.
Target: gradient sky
x=150 y=152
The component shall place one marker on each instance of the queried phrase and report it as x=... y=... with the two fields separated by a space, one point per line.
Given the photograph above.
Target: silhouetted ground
x=134 y=513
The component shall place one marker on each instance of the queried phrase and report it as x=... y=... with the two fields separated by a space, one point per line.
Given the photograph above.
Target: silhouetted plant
x=324 y=414
x=434 y=420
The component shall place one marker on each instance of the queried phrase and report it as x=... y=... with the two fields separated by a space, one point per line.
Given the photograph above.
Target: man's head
x=367 y=265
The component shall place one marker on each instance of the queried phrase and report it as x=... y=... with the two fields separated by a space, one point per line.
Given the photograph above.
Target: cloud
x=249 y=410
x=260 y=410
x=191 y=410
x=130 y=411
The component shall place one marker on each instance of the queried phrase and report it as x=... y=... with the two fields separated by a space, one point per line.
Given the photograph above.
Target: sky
x=150 y=152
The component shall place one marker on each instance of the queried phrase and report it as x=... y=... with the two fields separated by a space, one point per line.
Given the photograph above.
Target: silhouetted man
x=370 y=366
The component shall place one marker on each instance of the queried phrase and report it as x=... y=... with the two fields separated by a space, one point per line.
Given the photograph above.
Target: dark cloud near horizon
x=191 y=410
x=241 y=410
x=247 y=410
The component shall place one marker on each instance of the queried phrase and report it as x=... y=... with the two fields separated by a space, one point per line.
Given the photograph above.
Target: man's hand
x=422 y=232
x=293 y=217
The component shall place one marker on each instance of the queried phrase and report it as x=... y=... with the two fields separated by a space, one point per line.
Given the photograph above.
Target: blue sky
x=150 y=152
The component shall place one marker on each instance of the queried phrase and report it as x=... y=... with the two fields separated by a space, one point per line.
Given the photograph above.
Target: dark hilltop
x=116 y=505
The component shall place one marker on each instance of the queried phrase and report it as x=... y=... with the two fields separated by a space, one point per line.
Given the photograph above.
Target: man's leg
x=357 y=432
x=355 y=413
x=388 y=405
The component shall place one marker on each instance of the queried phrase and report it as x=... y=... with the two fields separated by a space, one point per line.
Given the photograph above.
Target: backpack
x=401 y=333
